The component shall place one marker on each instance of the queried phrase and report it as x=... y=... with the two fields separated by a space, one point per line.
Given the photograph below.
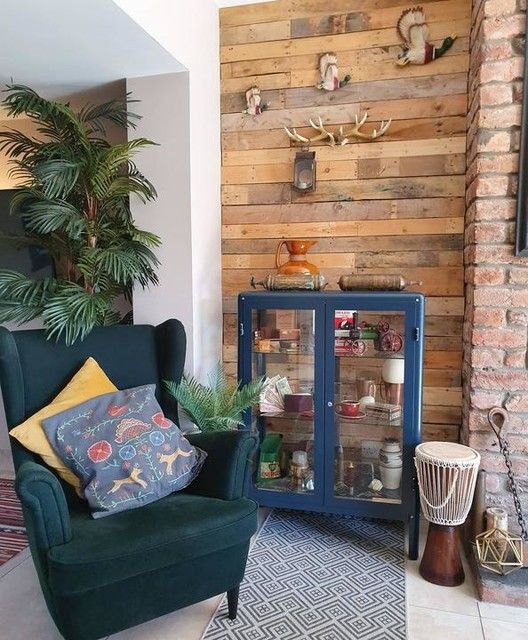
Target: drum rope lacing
x=449 y=493
x=498 y=418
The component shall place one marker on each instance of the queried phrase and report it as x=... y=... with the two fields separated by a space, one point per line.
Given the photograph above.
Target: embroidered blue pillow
x=124 y=450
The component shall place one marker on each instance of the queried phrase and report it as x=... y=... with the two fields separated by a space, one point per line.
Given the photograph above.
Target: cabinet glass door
x=283 y=351
x=369 y=354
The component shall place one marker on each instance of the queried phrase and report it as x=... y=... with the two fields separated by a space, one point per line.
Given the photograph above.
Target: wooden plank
x=291 y=9
x=403 y=130
x=397 y=89
x=271 y=81
x=347 y=190
x=360 y=210
x=356 y=244
x=446 y=281
x=409 y=227
x=408 y=109
x=382 y=71
x=279 y=30
x=348 y=60
x=337 y=43
x=327 y=24
x=309 y=76
x=376 y=149
x=349 y=169
x=267 y=261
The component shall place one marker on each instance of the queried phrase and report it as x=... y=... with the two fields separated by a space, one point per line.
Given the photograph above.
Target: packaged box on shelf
x=382 y=409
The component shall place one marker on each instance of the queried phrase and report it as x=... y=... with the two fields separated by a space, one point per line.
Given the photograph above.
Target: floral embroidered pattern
x=126 y=452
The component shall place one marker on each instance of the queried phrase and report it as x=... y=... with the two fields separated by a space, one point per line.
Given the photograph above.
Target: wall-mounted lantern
x=304 y=171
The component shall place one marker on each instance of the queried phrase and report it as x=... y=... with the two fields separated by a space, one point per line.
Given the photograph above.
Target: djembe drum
x=447 y=473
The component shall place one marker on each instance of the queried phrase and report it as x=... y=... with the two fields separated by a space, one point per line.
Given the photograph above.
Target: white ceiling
x=75 y=44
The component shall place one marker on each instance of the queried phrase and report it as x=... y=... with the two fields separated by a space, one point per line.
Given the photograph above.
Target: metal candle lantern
x=304 y=171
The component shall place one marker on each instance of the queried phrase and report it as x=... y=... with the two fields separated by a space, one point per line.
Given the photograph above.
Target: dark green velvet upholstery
x=101 y=576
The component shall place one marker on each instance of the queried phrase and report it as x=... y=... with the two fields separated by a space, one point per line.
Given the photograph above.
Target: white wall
x=188 y=29
x=164 y=107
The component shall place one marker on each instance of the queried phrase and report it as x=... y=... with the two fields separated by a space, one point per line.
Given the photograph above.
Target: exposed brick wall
x=496 y=318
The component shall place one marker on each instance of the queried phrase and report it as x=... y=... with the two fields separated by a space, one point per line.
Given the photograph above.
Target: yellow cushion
x=90 y=381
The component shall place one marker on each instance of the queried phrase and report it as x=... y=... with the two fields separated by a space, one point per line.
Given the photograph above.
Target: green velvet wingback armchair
x=101 y=576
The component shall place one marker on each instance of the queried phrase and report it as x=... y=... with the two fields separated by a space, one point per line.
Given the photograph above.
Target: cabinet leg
x=232 y=602
x=414 y=536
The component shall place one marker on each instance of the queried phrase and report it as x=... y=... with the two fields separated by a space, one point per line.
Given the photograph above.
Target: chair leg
x=232 y=602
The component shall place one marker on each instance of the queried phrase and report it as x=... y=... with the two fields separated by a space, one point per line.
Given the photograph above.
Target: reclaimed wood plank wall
x=395 y=205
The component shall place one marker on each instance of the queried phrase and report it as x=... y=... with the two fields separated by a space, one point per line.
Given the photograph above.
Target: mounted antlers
x=340 y=137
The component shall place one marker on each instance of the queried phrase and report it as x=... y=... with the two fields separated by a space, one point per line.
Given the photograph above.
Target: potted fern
x=218 y=406
x=75 y=203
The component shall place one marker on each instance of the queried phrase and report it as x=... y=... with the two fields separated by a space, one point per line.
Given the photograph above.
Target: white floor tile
x=22 y=608
x=504 y=613
x=431 y=624
x=500 y=630
x=424 y=594
x=185 y=624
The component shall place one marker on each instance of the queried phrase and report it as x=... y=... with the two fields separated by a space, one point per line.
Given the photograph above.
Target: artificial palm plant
x=218 y=406
x=75 y=203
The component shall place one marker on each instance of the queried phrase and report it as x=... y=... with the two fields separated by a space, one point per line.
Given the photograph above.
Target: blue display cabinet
x=341 y=414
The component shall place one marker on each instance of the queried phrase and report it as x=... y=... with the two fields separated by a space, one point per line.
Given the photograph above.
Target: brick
x=486 y=275
x=487 y=317
x=497 y=163
x=500 y=7
x=484 y=400
x=492 y=185
x=519 y=298
x=496 y=94
x=485 y=359
x=494 y=482
x=493 y=141
x=494 y=462
x=492 y=297
x=499 y=338
x=517 y=402
x=495 y=50
x=508 y=380
x=501 y=70
x=517 y=317
x=518 y=275
x=503 y=209
x=516 y=359
x=483 y=441
x=500 y=117
x=503 y=26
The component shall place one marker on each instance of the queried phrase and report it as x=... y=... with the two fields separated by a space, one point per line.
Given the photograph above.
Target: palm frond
x=218 y=406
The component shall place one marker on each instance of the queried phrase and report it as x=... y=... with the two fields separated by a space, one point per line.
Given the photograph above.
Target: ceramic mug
x=348 y=408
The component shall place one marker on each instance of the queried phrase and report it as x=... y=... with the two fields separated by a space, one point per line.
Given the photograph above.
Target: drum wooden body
x=447 y=474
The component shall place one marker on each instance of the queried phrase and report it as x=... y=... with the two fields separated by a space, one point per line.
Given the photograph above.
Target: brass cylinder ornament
x=283 y=282
x=365 y=282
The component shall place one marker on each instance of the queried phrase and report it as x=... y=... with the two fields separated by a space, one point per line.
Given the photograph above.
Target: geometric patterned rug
x=12 y=531
x=320 y=577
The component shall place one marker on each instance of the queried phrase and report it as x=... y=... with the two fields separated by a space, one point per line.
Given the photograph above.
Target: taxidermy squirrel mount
x=414 y=32
x=330 y=73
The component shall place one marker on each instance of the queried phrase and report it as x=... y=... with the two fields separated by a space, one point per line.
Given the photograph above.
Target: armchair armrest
x=224 y=472
x=44 y=505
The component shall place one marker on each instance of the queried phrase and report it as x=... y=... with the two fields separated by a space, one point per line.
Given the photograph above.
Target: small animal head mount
x=330 y=74
x=254 y=104
x=416 y=49
x=341 y=136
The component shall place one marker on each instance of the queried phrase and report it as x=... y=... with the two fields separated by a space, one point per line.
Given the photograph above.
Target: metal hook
x=498 y=419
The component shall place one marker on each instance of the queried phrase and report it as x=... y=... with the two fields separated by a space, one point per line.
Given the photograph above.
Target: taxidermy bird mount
x=329 y=73
x=414 y=31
